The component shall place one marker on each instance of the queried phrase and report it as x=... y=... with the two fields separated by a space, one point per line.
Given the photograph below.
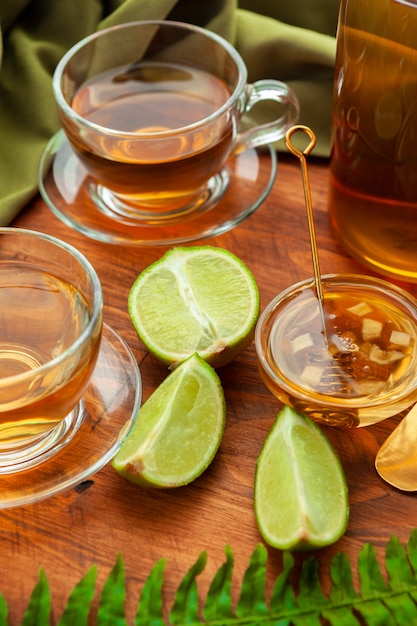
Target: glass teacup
x=153 y=110
x=51 y=320
x=350 y=362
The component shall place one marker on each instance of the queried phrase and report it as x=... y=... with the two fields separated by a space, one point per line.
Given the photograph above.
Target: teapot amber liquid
x=373 y=180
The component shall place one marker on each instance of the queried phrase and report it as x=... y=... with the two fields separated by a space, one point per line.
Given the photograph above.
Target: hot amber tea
x=153 y=98
x=373 y=183
x=352 y=362
x=41 y=318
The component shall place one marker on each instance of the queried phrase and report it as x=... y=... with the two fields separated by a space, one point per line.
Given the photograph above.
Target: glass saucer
x=65 y=185
x=106 y=414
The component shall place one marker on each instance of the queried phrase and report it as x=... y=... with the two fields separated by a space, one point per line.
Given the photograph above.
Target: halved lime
x=301 y=495
x=178 y=429
x=198 y=299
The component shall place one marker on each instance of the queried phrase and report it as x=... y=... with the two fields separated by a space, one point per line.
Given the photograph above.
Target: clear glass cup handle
x=263 y=134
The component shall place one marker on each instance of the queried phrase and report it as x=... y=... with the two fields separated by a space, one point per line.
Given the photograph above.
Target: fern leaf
x=283 y=596
x=401 y=579
x=371 y=578
x=311 y=594
x=150 y=609
x=78 y=606
x=39 y=607
x=342 y=590
x=375 y=613
x=311 y=598
x=342 y=593
x=185 y=609
x=3 y=611
x=341 y=616
x=403 y=609
x=400 y=574
x=373 y=590
x=252 y=598
x=412 y=549
x=219 y=600
x=111 y=608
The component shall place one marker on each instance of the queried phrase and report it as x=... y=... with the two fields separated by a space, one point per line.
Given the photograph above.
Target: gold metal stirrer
x=306 y=183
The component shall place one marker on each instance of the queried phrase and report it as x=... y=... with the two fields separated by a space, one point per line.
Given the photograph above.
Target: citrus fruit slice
x=301 y=496
x=178 y=429
x=198 y=299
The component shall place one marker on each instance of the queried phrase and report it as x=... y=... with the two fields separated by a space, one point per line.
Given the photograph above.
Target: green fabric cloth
x=291 y=41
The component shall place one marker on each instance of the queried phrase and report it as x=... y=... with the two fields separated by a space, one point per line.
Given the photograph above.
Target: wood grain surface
x=92 y=523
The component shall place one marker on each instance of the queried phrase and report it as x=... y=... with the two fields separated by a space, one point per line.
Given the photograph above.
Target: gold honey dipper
x=309 y=206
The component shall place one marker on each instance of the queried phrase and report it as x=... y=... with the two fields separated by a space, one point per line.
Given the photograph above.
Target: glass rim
x=97 y=302
x=68 y=55
x=380 y=284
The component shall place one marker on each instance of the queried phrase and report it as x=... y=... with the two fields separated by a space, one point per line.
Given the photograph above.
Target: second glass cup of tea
x=153 y=110
x=348 y=361
x=51 y=312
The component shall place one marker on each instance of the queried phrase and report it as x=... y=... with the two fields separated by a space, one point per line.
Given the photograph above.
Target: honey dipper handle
x=313 y=240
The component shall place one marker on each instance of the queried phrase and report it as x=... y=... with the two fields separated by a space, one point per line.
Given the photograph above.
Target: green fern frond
x=219 y=602
x=39 y=606
x=111 y=608
x=185 y=609
x=383 y=599
x=77 y=609
x=150 y=609
x=3 y=611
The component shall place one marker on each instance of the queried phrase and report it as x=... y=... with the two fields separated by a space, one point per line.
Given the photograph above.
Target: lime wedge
x=198 y=299
x=178 y=429
x=301 y=496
